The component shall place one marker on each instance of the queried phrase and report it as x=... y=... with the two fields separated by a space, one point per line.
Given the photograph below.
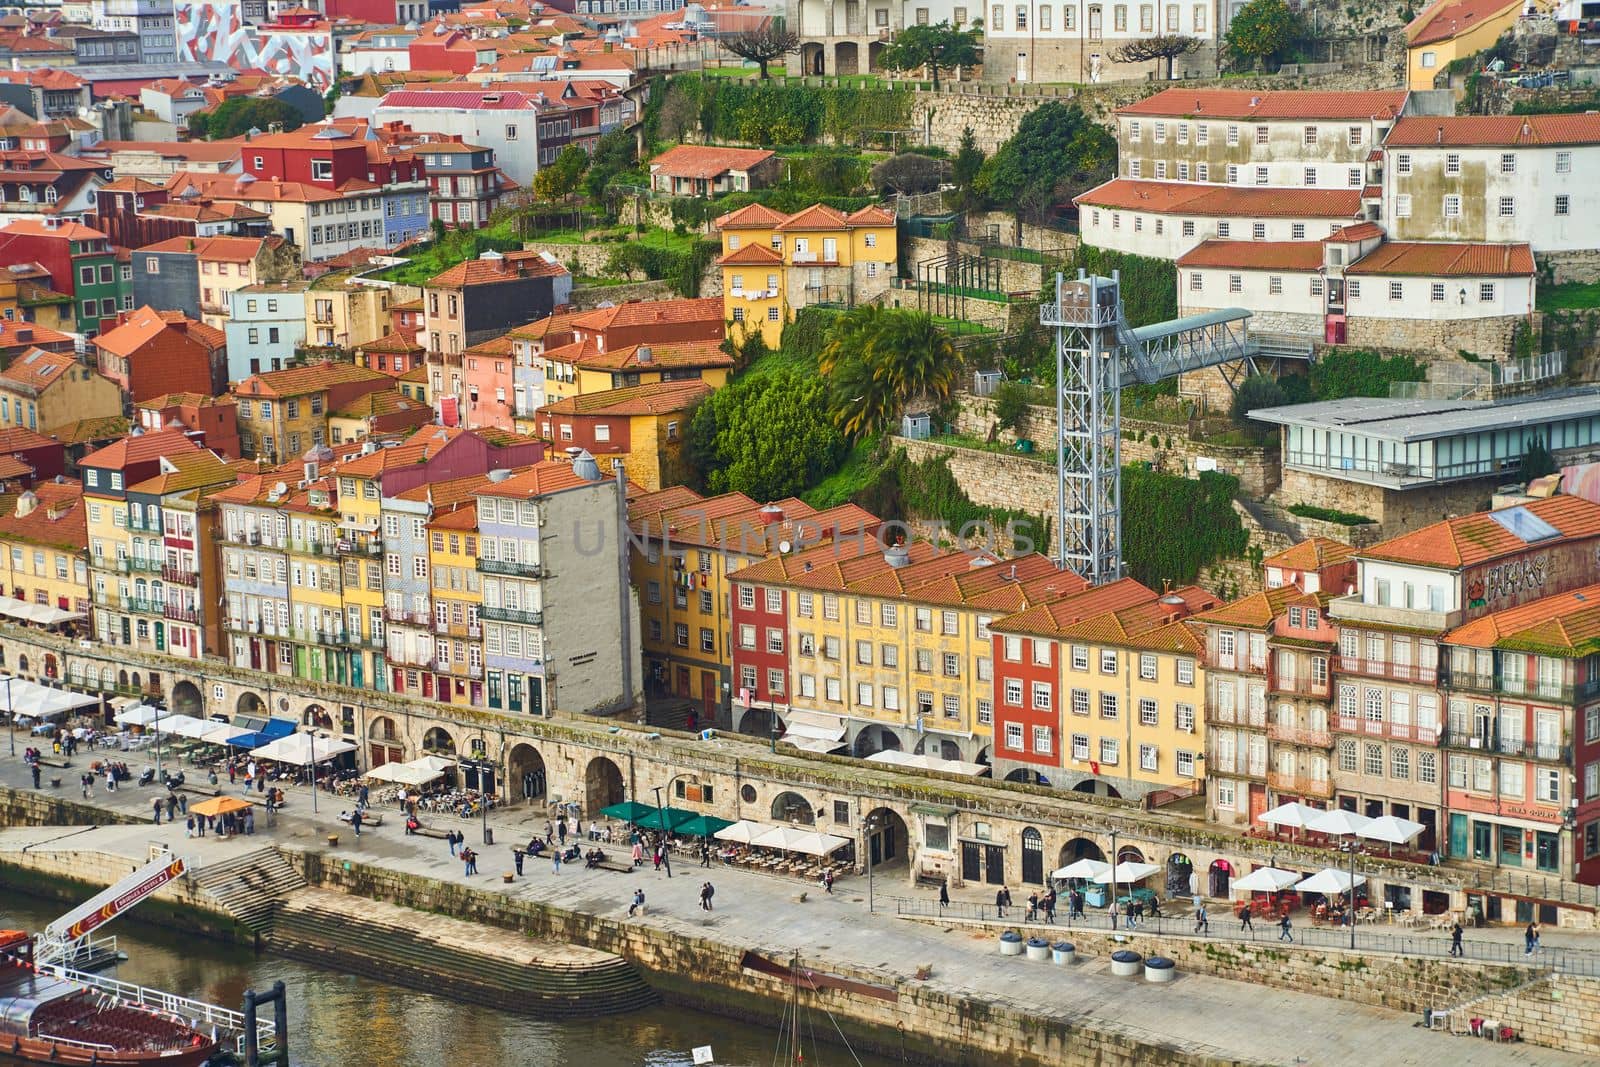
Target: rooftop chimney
x=897 y=556
x=770 y=514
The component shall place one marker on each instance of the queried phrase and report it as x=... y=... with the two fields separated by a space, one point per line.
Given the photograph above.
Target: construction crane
x=1097 y=353
x=66 y=939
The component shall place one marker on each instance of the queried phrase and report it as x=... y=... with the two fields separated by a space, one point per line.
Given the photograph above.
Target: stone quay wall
x=1560 y=1011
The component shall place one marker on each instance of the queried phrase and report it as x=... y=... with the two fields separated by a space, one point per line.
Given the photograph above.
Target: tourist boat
x=49 y=1019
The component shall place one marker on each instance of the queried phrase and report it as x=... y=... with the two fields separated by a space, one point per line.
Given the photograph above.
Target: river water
x=339 y=1020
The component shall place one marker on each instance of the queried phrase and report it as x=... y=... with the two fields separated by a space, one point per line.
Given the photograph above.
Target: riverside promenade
x=1200 y=1016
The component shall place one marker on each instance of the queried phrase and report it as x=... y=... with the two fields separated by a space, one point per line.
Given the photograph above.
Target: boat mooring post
x=278 y=997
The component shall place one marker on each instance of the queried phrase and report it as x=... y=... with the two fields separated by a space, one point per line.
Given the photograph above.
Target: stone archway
x=1220 y=876
x=602 y=785
x=1026 y=777
x=875 y=738
x=943 y=747
x=383 y=742
x=758 y=722
x=1080 y=848
x=888 y=841
x=250 y=704
x=317 y=717
x=438 y=739
x=846 y=58
x=187 y=700
x=1098 y=788
x=1180 y=868
x=529 y=780
x=791 y=807
x=1129 y=854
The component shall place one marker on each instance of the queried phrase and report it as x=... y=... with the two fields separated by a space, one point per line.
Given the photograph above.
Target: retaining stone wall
x=1487 y=337
x=994 y=480
x=1396 y=511
x=1561 y=1012
x=585 y=297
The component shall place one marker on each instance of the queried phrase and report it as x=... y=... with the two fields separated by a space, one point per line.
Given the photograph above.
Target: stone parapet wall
x=1582 y=265
x=1482 y=337
x=1395 y=511
x=994 y=480
x=585 y=297
x=1562 y=1012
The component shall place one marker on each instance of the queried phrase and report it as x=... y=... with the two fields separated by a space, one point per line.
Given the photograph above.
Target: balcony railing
x=1497 y=684
x=1353 y=609
x=1299 y=735
x=139 y=525
x=179 y=576
x=1238 y=717
x=458 y=629
x=1397 y=731
x=529 y=618
x=411 y=618
x=510 y=567
x=181 y=613
x=1301 y=784
x=1399 y=672
x=1299 y=685
x=312 y=548
x=243 y=537
x=1522 y=747
x=144 y=605
x=1239 y=766
x=142 y=563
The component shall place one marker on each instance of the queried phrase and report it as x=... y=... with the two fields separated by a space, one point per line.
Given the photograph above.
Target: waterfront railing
x=200 y=1014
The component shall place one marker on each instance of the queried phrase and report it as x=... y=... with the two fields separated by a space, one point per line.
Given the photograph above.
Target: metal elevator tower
x=1087 y=314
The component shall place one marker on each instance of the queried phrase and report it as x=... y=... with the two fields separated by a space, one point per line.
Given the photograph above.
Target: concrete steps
x=250 y=887
x=461 y=960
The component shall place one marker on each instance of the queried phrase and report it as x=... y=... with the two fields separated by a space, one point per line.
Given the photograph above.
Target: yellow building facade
x=1448 y=30
x=457 y=601
x=44 y=557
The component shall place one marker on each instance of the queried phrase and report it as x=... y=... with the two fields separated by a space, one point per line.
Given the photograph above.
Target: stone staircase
x=250 y=887
x=464 y=960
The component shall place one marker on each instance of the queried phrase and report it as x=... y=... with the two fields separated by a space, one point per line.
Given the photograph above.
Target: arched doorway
x=1129 y=854
x=1032 y=857
x=813 y=58
x=758 y=722
x=793 y=808
x=528 y=780
x=383 y=741
x=186 y=700
x=1179 y=871
x=438 y=740
x=50 y=668
x=875 y=739
x=602 y=785
x=942 y=747
x=888 y=843
x=250 y=704
x=316 y=716
x=846 y=58
x=1098 y=788
x=1024 y=776
x=1221 y=874
x=874 y=52
x=1080 y=848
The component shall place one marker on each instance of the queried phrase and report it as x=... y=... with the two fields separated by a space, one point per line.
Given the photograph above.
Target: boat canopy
x=22 y=994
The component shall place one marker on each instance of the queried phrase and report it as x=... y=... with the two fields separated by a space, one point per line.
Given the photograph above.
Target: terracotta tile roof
x=540 y=329
x=647 y=313
x=244 y=187
x=41 y=335
x=66 y=231
x=392 y=342
x=1361 y=231
x=187 y=470
x=646 y=506
x=1269 y=104
x=495 y=437
x=57 y=520
x=140 y=448
x=1253 y=255
x=511 y=266
x=1440 y=259
x=415 y=374
x=131 y=185
x=1494 y=131
x=1447 y=19
x=229 y=249
x=750 y=217
x=815 y=217
x=1003 y=587
x=1228 y=201
x=541 y=479
x=700 y=161
x=871 y=215
x=445 y=493
x=140 y=328
x=1050 y=618
x=1255 y=611
x=886 y=580
x=494 y=346
x=1153 y=624
x=829 y=567
x=1312 y=554
x=421 y=446
x=461 y=515
x=20 y=438
x=298 y=381
x=1470 y=539
x=1567 y=625
x=381 y=402
x=88 y=431
x=751 y=255
x=671 y=355
x=36 y=370
x=658 y=398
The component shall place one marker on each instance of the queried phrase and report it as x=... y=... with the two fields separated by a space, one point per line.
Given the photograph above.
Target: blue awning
x=270 y=730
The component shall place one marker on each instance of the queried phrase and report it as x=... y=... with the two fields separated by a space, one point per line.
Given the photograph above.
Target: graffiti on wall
x=215 y=31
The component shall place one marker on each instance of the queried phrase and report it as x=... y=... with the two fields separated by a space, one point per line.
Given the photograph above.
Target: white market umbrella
x=301 y=749
x=1084 y=868
x=139 y=715
x=814 y=843
x=1127 y=871
x=187 y=726
x=743 y=832
x=1294 y=815
x=436 y=764
x=1329 y=882
x=1393 y=829
x=218 y=733
x=787 y=838
x=1339 y=823
x=1265 y=880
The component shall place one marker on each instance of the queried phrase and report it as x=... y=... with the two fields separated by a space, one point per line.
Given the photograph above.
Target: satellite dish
x=784 y=546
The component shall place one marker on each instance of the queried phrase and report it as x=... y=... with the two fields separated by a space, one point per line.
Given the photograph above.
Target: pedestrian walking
x=516 y=857
x=944 y=895
x=1201 y=923
x=156 y=808
x=561 y=831
x=172 y=806
x=450 y=839
x=34 y=767
x=188 y=827
x=355 y=821
x=1130 y=915
x=705 y=853
x=638 y=854
x=1033 y=907
x=594 y=830
x=1455 y=939
x=705 y=896
x=1530 y=939
x=555 y=861
x=1284 y=926
x=656 y=855
x=87 y=781
x=233 y=778
x=1000 y=902
x=710 y=891
x=827 y=881
x=1244 y=920
x=638 y=901
x=183 y=803
x=362 y=797
x=250 y=822
x=111 y=778
x=200 y=826
x=1074 y=902
x=470 y=858
x=1050 y=907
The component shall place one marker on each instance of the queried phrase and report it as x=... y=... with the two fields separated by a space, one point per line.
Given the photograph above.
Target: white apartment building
x=1166 y=219
x=846 y=36
x=1499 y=178
x=1073 y=41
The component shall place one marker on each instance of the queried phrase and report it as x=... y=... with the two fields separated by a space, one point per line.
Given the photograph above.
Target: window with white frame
x=1041 y=696
x=1043 y=740
x=1080 y=702
x=1110 y=751
x=1147 y=757
x=1013 y=692
x=1014 y=736
x=1373 y=764
x=1108 y=705
x=1148 y=714
x=1108 y=661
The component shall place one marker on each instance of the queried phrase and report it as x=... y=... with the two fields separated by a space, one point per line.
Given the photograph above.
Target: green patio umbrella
x=628 y=811
x=674 y=817
x=703 y=826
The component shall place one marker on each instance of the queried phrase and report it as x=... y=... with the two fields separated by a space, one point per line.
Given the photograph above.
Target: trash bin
x=1062 y=953
x=488 y=836
x=1038 y=948
x=1159 y=969
x=1126 y=962
x=1010 y=943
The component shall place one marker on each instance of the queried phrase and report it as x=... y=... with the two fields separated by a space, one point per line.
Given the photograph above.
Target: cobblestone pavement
x=1237 y=1021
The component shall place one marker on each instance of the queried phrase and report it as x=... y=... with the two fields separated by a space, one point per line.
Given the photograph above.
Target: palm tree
x=878 y=360
x=915 y=356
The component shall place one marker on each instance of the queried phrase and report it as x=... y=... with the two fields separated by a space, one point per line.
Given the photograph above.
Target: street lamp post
x=1113 y=879
x=1352 y=911
x=482 y=766
x=666 y=854
x=772 y=730
x=11 y=711
x=868 y=831
x=313 y=741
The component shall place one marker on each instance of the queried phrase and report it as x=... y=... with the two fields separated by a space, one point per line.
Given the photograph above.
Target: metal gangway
x=1098 y=354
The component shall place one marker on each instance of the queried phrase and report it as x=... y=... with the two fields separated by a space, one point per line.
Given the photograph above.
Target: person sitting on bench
x=535 y=847
x=594 y=858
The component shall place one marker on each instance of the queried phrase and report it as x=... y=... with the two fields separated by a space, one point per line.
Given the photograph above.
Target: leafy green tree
x=878 y=359
x=969 y=160
x=1260 y=31
x=614 y=155
x=933 y=47
x=1536 y=459
x=239 y=115
x=768 y=437
x=1056 y=153
x=1347 y=372
x=1256 y=391
x=1011 y=402
x=559 y=178
x=909 y=172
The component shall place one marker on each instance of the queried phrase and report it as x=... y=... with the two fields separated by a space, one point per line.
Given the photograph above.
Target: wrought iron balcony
x=510 y=567
x=528 y=618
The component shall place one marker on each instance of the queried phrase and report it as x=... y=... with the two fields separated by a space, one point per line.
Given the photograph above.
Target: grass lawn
x=1569 y=296
x=776 y=361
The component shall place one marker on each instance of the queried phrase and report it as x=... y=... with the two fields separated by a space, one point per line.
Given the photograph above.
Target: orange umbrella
x=219 y=806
